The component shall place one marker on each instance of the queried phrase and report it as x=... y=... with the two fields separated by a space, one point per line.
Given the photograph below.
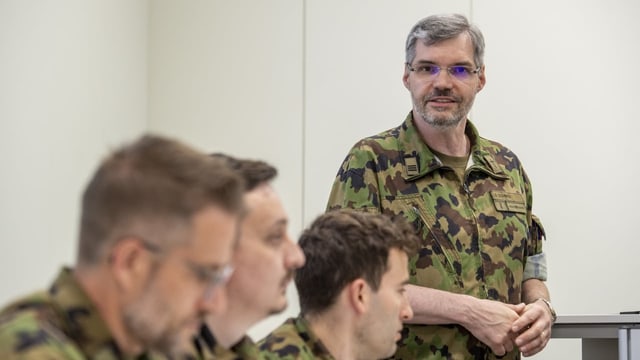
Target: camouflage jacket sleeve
x=354 y=186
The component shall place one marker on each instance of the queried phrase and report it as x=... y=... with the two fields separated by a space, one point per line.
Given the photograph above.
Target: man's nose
x=443 y=80
x=406 y=313
x=295 y=257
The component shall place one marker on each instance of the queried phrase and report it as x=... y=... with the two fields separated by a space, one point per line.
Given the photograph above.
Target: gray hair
x=437 y=28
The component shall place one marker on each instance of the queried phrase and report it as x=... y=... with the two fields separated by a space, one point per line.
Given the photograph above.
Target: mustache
x=439 y=93
x=288 y=278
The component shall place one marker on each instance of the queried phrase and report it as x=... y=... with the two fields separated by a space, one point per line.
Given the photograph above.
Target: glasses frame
x=212 y=278
x=438 y=69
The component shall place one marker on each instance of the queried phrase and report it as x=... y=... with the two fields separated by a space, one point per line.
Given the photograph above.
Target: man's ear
x=405 y=78
x=359 y=294
x=129 y=262
x=483 y=79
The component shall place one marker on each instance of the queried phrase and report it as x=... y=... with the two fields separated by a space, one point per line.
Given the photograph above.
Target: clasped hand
x=503 y=327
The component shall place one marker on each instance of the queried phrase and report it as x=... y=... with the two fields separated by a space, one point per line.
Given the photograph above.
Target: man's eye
x=459 y=70
x=428 y=69
x=275 y=239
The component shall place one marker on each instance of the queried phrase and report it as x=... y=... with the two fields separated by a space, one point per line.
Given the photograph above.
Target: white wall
x=297 y=83
x=228 y=76
x=73 y=82
x=554 y=97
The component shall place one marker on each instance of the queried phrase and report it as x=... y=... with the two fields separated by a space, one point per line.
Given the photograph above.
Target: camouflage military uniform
x=208 y=348
x=60 y=323
x=477 y=235
x=293 y=340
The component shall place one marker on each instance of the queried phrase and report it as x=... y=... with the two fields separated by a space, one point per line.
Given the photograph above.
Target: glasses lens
x=223 y=275
x=460 y=72
x=209 y=276
x=430 y=70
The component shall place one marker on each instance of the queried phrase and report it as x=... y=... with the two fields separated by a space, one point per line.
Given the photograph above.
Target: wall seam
x=303 y=115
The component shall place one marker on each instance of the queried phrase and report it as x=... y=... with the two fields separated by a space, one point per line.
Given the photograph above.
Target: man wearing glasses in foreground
x=157 y=231
x=477 y=287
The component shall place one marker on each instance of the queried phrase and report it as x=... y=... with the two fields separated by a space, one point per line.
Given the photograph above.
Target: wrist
x=552 y=311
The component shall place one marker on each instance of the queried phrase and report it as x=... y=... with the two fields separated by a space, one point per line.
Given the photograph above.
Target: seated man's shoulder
x=286 y=342
x=29 y=330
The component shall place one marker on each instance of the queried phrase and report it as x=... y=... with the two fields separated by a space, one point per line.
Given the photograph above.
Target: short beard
x=438 y=120
x=144 y=319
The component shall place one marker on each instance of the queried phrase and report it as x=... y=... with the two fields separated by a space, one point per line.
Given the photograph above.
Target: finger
x=521 y=324
x=525 y=321
x=533 y=351
x=536 y=344
x=532 y=334
x=508 y=346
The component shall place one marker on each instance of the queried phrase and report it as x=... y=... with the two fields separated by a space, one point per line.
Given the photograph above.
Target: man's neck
x=230 y=327
x=336 y=333
x=449 y=141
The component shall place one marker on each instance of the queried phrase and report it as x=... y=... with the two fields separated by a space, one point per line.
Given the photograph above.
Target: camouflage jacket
x=293 y=340
x=208 y=348
x=477 y=234
x=60 y=323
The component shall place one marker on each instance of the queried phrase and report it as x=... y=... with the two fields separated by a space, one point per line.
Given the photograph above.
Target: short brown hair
x=253 y=172
x=343 y=245
x=153 y=185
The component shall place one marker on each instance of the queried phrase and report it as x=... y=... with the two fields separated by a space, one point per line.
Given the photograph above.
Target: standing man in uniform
x=157 y=231
x=351 y=290
x=265 y=261
x=477 y=284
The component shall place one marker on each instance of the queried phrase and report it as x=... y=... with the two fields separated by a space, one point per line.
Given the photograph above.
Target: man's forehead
x=260 y=191
x=460 y=45
x=264 y=208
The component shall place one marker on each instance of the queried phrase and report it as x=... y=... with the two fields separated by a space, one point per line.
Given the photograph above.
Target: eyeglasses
x=431 y=71
x=211 y=277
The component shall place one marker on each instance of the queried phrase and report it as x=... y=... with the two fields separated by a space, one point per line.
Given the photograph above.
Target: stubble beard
x=374 y=348
x=148 y=319
x=284 y=285
x=442 y=119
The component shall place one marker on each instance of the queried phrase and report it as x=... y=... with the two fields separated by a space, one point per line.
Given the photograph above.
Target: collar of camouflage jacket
x=420 y=160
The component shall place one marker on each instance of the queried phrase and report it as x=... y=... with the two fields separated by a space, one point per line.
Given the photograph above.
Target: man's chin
x=439 y=120
x=277 y=309
x=183 y=348
x=391 y=352
x=443 y=124
x=182 y=343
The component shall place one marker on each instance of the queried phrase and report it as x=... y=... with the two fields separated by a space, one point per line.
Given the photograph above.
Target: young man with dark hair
x=351 y=289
